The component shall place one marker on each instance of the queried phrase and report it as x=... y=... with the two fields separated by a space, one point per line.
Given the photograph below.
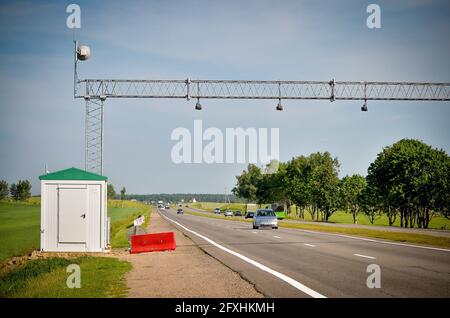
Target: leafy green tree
x=271 y=187
x=350 y=189
x=390 y=211
x=324 y=183
x=413 y=178
x=111 y=191
x=267 y=189
x=307 y=181
x=247 y=183
x=370 y=202
x=20 y=191
x=123 y=191
x=4 y=189
x=297 y=182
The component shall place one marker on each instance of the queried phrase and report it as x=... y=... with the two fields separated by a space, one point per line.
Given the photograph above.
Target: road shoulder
x=185 y=272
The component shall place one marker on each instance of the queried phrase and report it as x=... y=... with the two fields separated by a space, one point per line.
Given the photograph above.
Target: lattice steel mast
x=96 y=91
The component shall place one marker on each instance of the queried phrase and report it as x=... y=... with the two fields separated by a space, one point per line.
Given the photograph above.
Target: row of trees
x=112 y=192
x=409 y=180
x=19 y=191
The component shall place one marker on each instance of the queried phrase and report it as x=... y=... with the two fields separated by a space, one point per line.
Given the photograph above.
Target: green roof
x=73 y=174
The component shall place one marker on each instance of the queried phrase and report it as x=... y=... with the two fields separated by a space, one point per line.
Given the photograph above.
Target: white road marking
x=262 y=267
x=377 y=241
x=310 y=245
x=276 y=236
x=365 y=256
x=254 y=232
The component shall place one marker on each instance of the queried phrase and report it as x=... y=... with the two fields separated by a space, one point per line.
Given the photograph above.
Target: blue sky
x=41 y=123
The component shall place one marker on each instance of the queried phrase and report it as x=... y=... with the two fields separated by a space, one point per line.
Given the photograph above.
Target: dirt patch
x=185 y=272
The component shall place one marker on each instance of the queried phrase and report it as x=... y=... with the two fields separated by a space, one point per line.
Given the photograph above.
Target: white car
x=228 y=213
x=265 y=218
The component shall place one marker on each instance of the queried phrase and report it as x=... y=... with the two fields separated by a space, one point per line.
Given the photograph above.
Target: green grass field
x=437 y=222
x=100 y=277
x=119 y=214
x=126 y=212
x=19 y=229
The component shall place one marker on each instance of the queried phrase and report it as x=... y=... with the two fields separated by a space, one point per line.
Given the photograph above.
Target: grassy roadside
x=210 y=206
x=342 y=217
x=378 y=234
x=121 y=225
x=100 y=277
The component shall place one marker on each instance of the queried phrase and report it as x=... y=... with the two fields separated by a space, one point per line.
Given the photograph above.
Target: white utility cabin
x=74 y=212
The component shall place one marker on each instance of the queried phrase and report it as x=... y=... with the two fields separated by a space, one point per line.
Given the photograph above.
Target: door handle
x=83 y=216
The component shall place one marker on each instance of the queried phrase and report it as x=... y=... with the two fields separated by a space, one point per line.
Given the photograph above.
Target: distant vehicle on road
x=250 y=210
x=237 y=213
x=228 y=213
x=265 y=218
x=249 y=215
x=180 y=211
x=217 y=211
x=280 y=215
x=160 y=204
x=167 y=207
x=279 y=210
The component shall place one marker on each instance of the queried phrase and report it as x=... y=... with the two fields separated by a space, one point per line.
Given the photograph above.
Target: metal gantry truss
x=96 y=91
x=230 y=89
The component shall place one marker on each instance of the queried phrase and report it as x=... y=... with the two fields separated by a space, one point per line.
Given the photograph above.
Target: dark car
x=237 y=213
x=249 y=215
x=180 y=211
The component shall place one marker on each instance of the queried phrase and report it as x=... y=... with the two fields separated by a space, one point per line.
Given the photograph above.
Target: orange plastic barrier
x=153 y=242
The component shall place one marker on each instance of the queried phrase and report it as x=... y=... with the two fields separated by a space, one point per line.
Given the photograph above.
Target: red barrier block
x=153 y=242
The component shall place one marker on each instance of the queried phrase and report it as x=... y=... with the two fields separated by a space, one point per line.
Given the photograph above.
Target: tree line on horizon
x=19 y=191
x=185 y=197
x=111 y=192
x=408 y=180
x=170 y=197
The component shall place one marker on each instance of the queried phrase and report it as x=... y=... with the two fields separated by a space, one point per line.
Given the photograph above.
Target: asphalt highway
x=300 y=263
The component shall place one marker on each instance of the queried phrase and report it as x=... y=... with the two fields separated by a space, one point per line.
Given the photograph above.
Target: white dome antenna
x=83 y=52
